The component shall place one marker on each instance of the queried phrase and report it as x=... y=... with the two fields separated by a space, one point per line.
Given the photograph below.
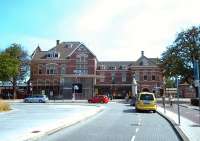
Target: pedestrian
x=170 y=100
x=163 y=100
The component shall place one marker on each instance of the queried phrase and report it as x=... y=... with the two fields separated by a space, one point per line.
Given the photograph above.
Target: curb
x=197 y=109
x=176 y=128
x=63 y=124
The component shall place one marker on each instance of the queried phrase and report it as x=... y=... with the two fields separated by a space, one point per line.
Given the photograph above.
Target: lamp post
x=31 y=89
x=196 y=82
x=178 y=102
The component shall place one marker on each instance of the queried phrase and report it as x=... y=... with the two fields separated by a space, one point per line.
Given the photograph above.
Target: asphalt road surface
x=118 y=122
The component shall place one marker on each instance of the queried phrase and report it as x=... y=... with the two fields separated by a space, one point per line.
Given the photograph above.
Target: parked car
x=146 y=101
x=36 y=99
x=99 y=99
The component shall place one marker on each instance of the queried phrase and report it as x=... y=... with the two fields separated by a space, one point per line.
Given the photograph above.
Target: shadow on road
x=129 y=111
x=195 y=125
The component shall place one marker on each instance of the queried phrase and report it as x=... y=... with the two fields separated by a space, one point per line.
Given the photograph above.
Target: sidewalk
x=188 y=130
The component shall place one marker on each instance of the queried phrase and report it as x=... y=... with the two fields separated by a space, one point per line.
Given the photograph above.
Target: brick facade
x=54 y=71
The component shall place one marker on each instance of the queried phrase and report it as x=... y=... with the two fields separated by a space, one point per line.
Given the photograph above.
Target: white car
x=36 y=99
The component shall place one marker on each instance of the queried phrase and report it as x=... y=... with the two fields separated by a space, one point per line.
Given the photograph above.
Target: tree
x=8 y=67
x=14 y=65
x=169 y=83
x=178 y=59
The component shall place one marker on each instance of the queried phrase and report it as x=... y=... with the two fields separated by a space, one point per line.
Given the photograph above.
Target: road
x=118 y=122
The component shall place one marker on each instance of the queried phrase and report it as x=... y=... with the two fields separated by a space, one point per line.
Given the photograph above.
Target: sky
x=114 y=30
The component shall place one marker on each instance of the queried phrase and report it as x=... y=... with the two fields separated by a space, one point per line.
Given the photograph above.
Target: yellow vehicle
x=146 y=101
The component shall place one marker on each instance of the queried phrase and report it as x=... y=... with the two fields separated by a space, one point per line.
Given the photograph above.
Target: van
x=146 y=101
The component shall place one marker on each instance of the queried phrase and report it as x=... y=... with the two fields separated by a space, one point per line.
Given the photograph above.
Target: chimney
x=57 y=42
x=142 y=53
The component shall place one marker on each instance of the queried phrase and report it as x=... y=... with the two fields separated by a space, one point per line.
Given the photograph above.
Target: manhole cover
x=35 y=131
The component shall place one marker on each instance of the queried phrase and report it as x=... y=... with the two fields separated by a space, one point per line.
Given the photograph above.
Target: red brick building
x=54 y=71
x=119 y=76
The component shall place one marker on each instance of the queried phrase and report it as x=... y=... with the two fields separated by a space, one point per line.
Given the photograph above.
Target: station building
x=54 y=72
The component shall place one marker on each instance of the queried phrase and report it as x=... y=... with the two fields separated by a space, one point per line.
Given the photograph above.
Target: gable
x=144 y=61
x=83 y=50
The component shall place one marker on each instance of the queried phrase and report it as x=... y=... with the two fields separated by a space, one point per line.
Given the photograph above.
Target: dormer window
x=102 y=67
x=53 y=55
x=141 y=63
x=123 y=67
x=113 y=67
x=56 y=55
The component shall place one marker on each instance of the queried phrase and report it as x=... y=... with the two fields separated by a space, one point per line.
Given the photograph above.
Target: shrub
x=4 y=106
x=195 y=101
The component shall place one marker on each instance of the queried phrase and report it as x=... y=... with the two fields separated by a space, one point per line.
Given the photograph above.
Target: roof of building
x=65 y=49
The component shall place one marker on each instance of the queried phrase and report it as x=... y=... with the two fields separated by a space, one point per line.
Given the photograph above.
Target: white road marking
x=136 y=130
x=133 y=138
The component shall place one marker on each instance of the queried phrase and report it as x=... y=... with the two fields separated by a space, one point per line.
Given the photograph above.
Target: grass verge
x=4 y=106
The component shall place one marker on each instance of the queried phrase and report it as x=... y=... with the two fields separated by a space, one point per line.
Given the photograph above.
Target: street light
x=196 y=82
x=178 y=102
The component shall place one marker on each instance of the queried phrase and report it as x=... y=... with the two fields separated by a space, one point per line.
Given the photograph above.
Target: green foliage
x=14 y=65
x=16 y=52
x=169 y=83
x=8 y=67
x=177 y=60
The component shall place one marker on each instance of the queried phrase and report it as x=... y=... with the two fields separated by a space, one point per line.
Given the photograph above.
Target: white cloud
x=120 y=29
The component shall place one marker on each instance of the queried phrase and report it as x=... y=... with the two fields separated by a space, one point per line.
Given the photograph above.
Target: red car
x=99 y=99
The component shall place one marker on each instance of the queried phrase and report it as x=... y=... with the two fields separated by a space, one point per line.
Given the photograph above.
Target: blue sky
x=111 y=29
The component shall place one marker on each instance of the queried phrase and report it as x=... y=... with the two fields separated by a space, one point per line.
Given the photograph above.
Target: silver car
x=36 y=99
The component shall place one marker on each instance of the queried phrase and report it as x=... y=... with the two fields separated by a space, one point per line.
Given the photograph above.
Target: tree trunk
x=14 y=88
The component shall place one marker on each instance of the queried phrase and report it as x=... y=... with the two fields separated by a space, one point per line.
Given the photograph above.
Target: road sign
x=77 y=87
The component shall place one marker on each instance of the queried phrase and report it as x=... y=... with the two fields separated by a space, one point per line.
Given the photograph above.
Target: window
x=124 y=77
x=40 y=68
x=47 y=82
x=53 y=54
x=153 y=77
x=51 y=69
x=113 y=77
x=137 y=76
x=55 y=82
x=63 y=69
x=141 y=63
x=102 y=78
x=146 y=97
x=81 y=64
x=113 y=67
x=145 y=77
x=102 y=67
x=40 y=82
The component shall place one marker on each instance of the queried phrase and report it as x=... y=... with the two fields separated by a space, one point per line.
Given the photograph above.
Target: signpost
x=76 y=88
